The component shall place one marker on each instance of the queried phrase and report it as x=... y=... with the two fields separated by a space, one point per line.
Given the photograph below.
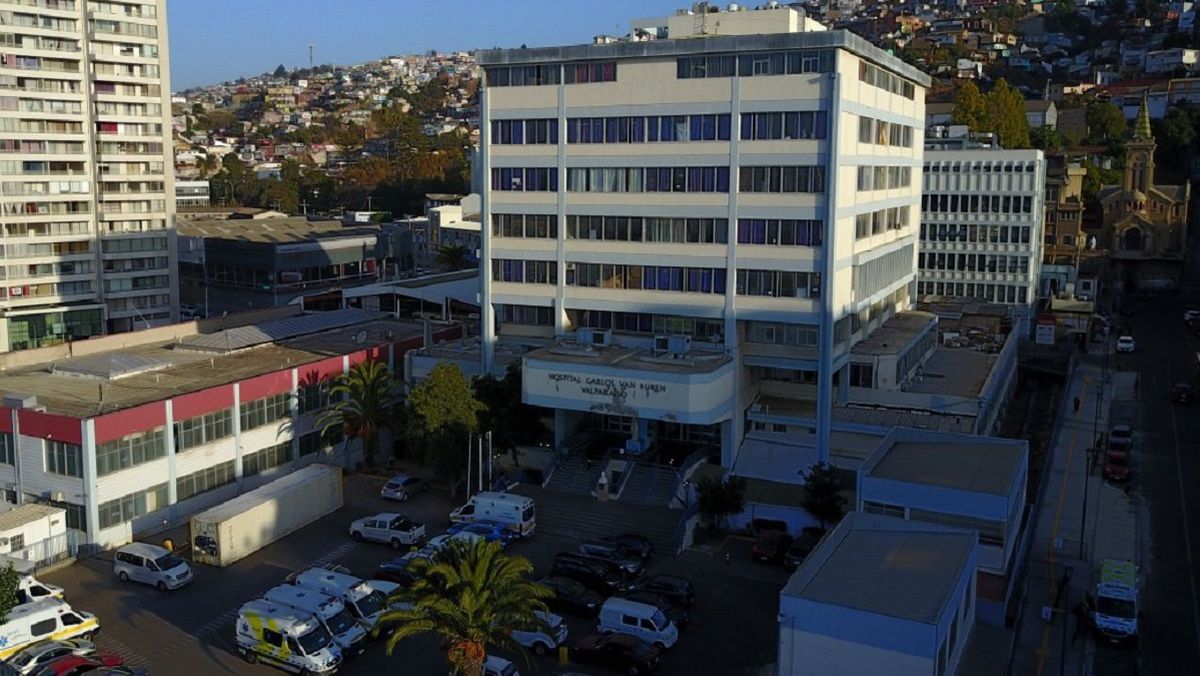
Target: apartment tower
x=712 y=211
x=86 y=175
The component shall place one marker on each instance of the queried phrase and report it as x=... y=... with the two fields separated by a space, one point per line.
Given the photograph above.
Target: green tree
x=1105 y=122
x=280 y=71
x=1045 y=138
x=9 y=599
x=362 y=405
x=473 y=596
x=511 y=421
x=968 y=106
x=822 y=494
x=720 y=498
x=451 y=256
x=1004 y=115
x=442 y=411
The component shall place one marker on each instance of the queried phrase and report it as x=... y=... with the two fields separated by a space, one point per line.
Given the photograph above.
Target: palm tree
x=452 y=256
x=472 y=595
x=361 y=404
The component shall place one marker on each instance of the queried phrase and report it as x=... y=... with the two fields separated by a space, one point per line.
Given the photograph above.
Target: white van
x=637 y=619
x=152 y=565
x=514 y=511
x=30 y=589
x=365 y=601
x=538 y=640
x=286 y=638
x=328 y=610
x=41 y=620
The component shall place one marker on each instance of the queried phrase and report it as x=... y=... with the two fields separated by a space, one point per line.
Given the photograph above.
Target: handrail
x=681 y=527
x=684 y=470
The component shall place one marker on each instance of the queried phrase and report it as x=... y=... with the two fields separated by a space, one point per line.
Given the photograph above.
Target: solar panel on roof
x=281 y=329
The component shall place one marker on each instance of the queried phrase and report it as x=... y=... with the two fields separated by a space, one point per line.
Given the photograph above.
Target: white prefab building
x=23 y=526
x=683 y=220
x=981 y=224
x=880 y=596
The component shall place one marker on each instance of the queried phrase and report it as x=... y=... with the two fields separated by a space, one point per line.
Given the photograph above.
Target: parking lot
x=733 y=628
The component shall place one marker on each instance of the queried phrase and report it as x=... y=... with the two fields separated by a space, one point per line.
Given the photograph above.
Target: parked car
x=492 y=531
x=647 y=622
x=152 y=565
x=72 y=665
x=403 y=486
x=674 y=588
x=1182 y=393
x=770 y=546
x=1120 y=436
x=612 y=553
x=800 y=548
x=635 y=543
x=1191 y=313
x=1116 y=464
x=538 y=639
x=30 y=659
x=1126 y=344
x=593 y=574
x=571 y=596
x=397 y=570
x=439 y=542
x=394 y=529
x=123 y=670
x=619 y=651
x=498 y=666
x=678 y=616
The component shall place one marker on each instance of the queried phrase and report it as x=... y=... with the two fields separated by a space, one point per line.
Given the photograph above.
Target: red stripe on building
x=6 y=420
x=199 y=403
x=130 y=421
x=318 y=371
x=358 y=357
x=266 y=385
x=49 y=426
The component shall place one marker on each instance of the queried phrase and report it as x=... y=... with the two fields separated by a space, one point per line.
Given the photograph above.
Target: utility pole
x=310 y=59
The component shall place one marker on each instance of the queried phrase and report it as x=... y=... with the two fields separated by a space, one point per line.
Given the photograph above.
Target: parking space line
x=107 y=643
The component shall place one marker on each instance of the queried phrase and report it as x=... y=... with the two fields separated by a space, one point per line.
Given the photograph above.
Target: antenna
x=310 y=57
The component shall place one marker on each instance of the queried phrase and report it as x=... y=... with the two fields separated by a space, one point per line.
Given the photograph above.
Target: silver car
x=30 y=659
x=152 y=565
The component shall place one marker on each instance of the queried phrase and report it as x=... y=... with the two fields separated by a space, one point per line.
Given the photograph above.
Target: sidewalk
x=1067 y=548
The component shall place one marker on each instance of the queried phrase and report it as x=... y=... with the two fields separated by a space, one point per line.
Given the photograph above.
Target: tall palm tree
x=452 y=256
x=472 y=595
x=361 y=404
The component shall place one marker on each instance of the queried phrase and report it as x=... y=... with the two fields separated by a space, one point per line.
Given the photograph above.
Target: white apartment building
x=694 y=220
x=86 y=183
x=982 y=223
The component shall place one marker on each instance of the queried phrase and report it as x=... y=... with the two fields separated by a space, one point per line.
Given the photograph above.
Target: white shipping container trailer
x=229 y=532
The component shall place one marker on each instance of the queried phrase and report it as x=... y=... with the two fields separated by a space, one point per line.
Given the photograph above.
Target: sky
x=217 y=40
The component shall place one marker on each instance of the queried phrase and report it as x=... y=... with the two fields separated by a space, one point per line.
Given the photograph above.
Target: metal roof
x=26 y=514
x=242 y=337
x=981 y=467
x=110 y=366
x=273 y=230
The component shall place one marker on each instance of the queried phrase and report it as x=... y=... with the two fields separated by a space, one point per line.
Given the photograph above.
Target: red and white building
x=135 y=433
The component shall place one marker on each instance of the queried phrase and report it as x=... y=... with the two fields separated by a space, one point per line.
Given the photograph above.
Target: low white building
x=1168 y=60
x=27 y=529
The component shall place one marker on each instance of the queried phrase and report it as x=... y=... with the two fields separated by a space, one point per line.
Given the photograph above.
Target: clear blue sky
x=217 y=40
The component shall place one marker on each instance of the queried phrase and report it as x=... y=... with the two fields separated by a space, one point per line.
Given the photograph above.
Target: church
x=1144 y=224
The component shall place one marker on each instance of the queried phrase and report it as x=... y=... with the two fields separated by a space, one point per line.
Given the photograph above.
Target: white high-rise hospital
x=86 y=194
x=698 y=219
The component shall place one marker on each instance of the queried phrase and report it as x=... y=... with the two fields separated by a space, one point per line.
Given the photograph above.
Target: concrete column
x=829 y=256
x=731 y=430
x=16 y=447
x=560 y=248
x=294 y=412
x=237 y=435
x=487 y=314
x=172 y=472
x=90 y=485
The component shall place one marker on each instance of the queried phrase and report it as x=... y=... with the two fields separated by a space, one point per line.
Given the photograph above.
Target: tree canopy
x=9 y=596
x=362 y=405
x=721 y=498
x=1000 y=111
x=1105 y=122
x=441 y=413
x=822 y=494
x=511 y=421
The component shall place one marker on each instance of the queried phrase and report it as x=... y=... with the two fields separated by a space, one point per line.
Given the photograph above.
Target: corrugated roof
x=243 y=337
x=26 y=514
x=274 y=230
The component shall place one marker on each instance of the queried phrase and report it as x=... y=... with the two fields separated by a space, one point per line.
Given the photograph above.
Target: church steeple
x=1141 y=128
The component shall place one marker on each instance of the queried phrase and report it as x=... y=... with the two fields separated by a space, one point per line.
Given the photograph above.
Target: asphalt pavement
x=733 y=628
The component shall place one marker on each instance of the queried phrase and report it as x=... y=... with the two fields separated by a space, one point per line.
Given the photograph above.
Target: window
x=862 y=375
x=654 y=129
x=131 y=506
x=7 y=452
x=646 y=277
x=313 y=397
x=265 y=411
x=260 y=461
x=16 y=542
x=778 y=284
x=203 y=429
x=43 y=627
x=529 y=315
x=312 y=443
x=805 y=179
x=204 y=480
x=76 y=514
x=527 y=272
x=886 y=80
x=63 y=458
x=784 y=232
x=131 y=450
x=752 y=65
x=540 y=226
x=535 y=179
x=774 y=333
x=883 y=178
x=871 y=507
x=519 y=76
x=582 y=73
x=808 y=124
x=649 y=179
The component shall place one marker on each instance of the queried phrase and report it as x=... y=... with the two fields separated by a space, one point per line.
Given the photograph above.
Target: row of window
x=652 y=129
x=207 y=479
x=1000 y=293
x=871 y=277
x=529 y=179
x=203 y=429
x=886 y=80
x=639 y=229
x=131 y=450
x=993 y=167
x=806 y=124
x=551 y=74
x=648 y=179
x=540 y=226
x=648 y=324
x=783 y=232
x=881 y=133
x=647 y=277
x=750 y=65
x=880 y=221
x=779 y=284
x=963 y=262
x=524 y=272
x=884 y=178
x=803 y=179
x=982 y=204
x=527 y=315
x=525 y=132
x=974 y=233
x=776 y=333
x=268 y=458
x=129 y=507
x=265 y=411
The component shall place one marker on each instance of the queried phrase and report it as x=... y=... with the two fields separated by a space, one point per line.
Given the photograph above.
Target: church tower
x=1139 y=154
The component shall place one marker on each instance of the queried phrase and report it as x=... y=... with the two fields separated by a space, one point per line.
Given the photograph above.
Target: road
x=1167 y=467
x=192 y=628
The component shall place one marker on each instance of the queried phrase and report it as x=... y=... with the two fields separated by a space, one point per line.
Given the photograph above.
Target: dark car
x=770 y=546
x=1182 y=393
x=570 y=596
x=1116 y=465
x=674 y=613
x=799 y=550
x=398 y=570
x=634 y=543
x=71 y=665
x=676 y=589
x=630 y=563
x=619 y=651
x=595 y=575
x=1120 y=437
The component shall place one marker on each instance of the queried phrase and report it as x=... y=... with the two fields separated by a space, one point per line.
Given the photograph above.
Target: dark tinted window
x=43 y=627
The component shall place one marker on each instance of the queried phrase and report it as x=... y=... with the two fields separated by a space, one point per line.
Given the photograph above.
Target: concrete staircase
x=574 y=475
x=649 y=484
x=584 y=517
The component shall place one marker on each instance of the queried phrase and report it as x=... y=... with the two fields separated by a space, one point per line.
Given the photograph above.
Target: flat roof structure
x=696 y=361
x=980 y=467
x=878 y=416
x=895 y=334
x=26 y=514
x=956 y=371
x=294 y=230
x=886 y=566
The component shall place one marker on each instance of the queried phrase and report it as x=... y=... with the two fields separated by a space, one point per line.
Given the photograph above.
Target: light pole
x=1093 y=448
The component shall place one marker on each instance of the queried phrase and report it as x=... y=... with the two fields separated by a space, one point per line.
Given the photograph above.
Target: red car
x=73 y=665
x=770 y=546
x=1116 y=464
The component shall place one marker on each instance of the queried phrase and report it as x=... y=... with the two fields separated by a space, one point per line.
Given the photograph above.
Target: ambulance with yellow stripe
x=43 y=620
x=276 y=634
